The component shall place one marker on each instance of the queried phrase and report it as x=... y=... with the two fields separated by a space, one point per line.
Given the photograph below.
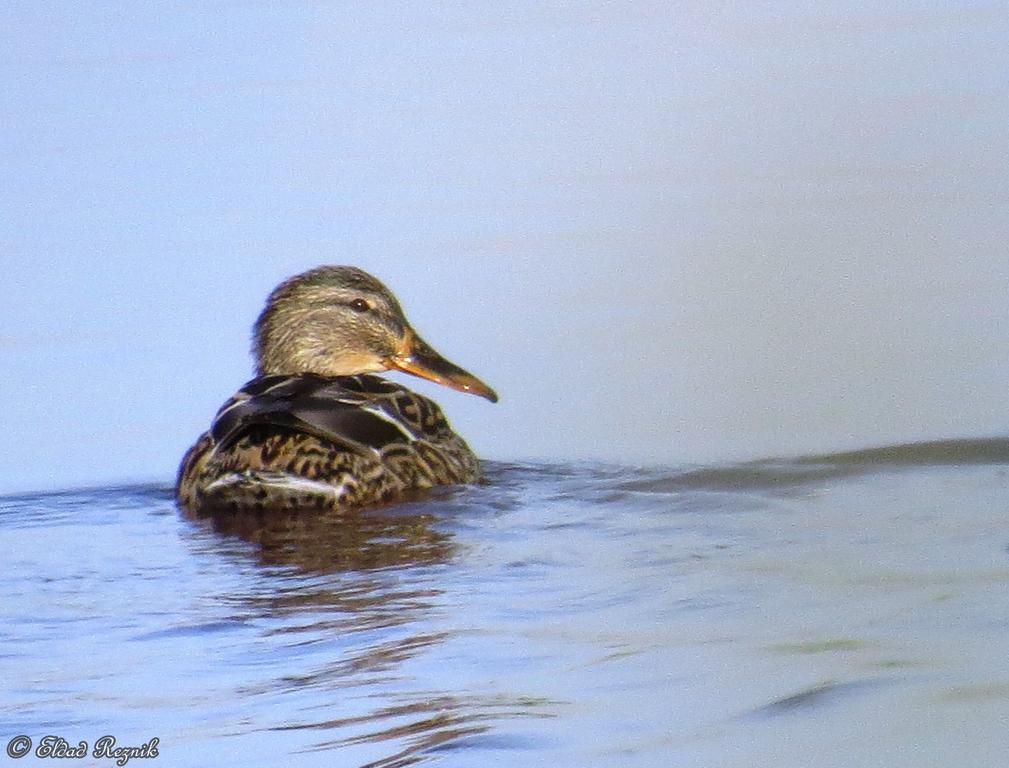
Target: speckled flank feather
x=309 y=441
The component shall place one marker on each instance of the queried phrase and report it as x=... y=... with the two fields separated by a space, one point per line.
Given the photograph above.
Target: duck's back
x=319 y=442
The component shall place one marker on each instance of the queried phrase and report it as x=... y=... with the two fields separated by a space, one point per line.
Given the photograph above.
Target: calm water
x=828 y=611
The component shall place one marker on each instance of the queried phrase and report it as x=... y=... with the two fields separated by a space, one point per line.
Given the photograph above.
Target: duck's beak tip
x=481 y=389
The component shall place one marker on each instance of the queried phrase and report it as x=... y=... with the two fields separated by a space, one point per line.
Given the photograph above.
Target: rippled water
x=828 y=611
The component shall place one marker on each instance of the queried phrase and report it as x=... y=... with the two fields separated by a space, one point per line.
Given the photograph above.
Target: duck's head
x=341 y=321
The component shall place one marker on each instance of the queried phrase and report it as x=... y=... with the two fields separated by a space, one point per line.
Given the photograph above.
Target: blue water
x=846 y=610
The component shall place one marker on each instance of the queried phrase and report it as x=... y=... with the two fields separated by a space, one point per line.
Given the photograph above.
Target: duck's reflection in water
x=329 y=542
x=326 y=577
x=346 y=603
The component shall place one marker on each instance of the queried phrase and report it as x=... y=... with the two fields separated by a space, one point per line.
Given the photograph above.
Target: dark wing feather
x=358 y=412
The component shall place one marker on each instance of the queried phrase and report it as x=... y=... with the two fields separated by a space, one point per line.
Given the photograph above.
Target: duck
x=315 y=428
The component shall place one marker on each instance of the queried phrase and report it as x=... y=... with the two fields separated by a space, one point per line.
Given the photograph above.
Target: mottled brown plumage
x=312 y=431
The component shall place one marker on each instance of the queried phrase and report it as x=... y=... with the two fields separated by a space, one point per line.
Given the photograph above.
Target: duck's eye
x=360 y=305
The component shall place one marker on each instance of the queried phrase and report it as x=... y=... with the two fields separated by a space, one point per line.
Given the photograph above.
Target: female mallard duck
x=312 y=430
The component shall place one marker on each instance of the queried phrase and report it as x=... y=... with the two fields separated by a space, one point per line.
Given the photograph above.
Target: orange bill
x=416 y=356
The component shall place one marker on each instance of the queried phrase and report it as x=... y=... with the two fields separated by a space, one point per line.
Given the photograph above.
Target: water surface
x=838 y=610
